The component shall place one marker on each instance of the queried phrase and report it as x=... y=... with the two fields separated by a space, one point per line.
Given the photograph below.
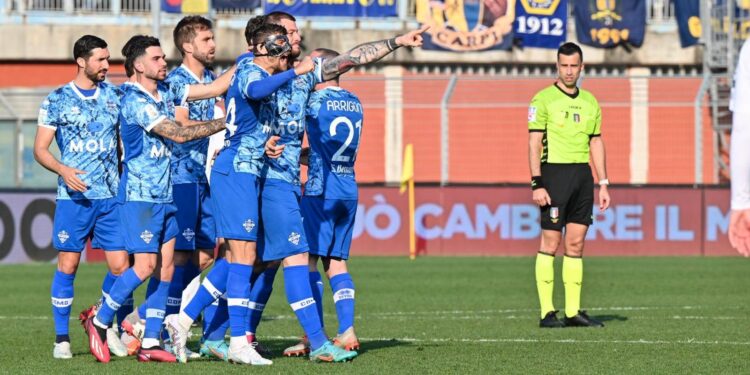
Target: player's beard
x=97 y=76
x=205 y=59
x=158 y=75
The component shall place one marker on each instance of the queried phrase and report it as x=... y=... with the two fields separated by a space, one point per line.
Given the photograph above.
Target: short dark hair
x=252 y=25
x=85 y=46
x=186 y=30
x=264 y=31
x=135 y=48
x=569 y=49
x=275 y=17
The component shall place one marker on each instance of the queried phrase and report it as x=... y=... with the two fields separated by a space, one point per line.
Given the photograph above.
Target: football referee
x=564 y=131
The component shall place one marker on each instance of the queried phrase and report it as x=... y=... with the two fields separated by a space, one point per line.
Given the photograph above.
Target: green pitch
x=454 y=315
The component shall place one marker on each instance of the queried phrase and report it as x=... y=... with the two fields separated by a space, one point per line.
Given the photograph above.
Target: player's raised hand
x=70 y=176
x=541 y=197
x=273 y=149
x=305 y=65
x=739 y=231
x=412 y=38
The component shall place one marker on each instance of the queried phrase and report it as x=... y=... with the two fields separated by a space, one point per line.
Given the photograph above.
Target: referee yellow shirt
x=568 y=123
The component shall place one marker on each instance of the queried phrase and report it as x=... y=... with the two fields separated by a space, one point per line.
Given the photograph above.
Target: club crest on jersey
x=74 y=110
x=147 y=236
x=554 y=215
x=294 y=238
x=62 y=236
x=188 y=234
x=112 y=106
x=248 y=225
x=151 y=111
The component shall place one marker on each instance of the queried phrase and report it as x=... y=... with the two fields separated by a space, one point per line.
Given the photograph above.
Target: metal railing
x=658 y=11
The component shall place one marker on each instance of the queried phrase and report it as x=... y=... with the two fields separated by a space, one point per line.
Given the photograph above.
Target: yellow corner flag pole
x=407 y=181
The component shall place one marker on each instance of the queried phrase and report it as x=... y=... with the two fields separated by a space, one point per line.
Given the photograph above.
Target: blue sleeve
x=263 y=87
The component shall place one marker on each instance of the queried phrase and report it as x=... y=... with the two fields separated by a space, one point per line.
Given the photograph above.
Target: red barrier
x=504 y=221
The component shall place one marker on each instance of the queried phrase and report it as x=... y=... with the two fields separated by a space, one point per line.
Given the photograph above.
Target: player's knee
x=68 y=262
x=205 y=263
x=68 y=267
x=336 y=267
x=117 y=268
x=549 y=245
x=574 y=246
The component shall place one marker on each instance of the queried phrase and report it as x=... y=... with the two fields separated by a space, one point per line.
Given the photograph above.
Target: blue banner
x=347 y=8
x=541 y=23
x=610 y=23
x=467 y=25
x=688 y=21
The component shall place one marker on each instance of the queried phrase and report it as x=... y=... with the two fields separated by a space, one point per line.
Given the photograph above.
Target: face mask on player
x=276 y=45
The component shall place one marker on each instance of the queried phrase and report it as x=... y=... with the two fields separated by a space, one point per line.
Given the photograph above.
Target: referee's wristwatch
x=604 y=182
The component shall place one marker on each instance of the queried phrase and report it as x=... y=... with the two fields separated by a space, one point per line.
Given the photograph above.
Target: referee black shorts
x=571 y=188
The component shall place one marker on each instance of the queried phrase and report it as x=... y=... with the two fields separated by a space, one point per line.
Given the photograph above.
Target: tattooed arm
x=180 y=133
x=369 y=52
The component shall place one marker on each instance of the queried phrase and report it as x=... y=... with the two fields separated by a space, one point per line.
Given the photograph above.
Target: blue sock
x=299 y=296
x=260 y=292
x=191 y=271
x=109 y=280
x=175 y=291
x=156 y=305
x=212 y=287
x=120 y=291
x=62 y=301
x=343 y=297
x=153 y=284
x=216 y=328
x=316 y=284
x=238 y=291
x=125 y=309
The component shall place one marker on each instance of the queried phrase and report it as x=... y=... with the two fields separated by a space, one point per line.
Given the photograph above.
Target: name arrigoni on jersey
x=344 y=105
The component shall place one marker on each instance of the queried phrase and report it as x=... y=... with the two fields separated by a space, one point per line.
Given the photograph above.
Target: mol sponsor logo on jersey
x=160 y=151
x=91 y=145
x=281 y=129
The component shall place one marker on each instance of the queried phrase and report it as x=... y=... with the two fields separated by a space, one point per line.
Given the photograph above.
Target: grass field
x=455 y=315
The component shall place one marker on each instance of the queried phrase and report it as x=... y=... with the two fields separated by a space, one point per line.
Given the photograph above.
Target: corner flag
x=407 y=181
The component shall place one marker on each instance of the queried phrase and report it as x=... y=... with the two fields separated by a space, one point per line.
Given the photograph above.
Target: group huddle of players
x=133 y=178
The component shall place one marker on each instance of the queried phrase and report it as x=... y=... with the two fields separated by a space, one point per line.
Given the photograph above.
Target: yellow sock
x=572 y=274
x=545 y=281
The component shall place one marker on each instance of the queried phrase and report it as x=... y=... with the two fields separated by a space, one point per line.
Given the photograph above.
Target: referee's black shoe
x=582 y=320
x=550 y=321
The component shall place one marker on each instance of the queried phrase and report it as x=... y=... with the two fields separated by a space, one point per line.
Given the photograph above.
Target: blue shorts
x=146 y=225
x=234 y=196
x=329 y=224
x=283 y=231
x=78 y=220
x=195 y=219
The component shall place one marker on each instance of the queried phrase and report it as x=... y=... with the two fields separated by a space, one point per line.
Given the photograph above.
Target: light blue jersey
x=334 y=130
x=189 y=158
x=289 y=125
x=245 y=139
x=146 y=172
x=86 y=134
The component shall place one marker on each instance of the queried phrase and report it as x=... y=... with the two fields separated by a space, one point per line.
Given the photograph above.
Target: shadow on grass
x=277 y=346
x=609 y=318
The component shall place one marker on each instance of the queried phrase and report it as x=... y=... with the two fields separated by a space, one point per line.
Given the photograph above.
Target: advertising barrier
x=459 y=221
